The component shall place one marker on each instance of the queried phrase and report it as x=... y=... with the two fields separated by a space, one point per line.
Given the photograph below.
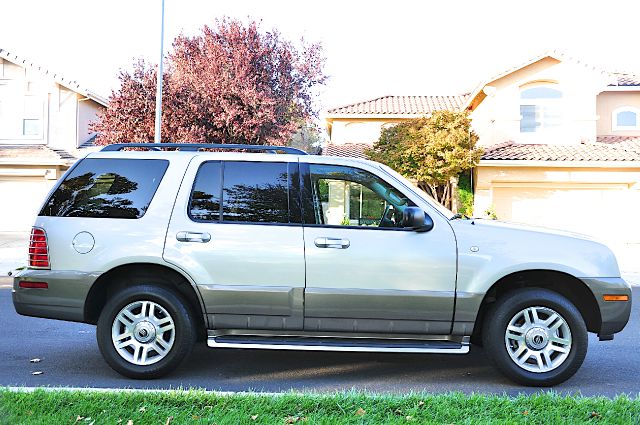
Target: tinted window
x=346 y=196
x=207 y=190
x=107 y=188
x=258 y=192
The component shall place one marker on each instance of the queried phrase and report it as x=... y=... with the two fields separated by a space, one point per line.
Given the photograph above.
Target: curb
x=145 y=390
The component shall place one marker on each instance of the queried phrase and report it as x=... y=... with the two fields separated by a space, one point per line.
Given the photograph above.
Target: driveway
x=13 y=250
x=70 y=357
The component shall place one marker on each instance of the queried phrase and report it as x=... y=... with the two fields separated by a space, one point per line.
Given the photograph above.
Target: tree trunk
x=455 y=200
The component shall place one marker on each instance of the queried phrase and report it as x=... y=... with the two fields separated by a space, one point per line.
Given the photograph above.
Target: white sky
x=373 y=48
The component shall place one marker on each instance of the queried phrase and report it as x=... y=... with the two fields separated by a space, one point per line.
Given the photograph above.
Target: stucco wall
x=65 y=117
x=87 y=113
x=607 y=102
x=497 y=118
x=23 y=95
x=359 y=130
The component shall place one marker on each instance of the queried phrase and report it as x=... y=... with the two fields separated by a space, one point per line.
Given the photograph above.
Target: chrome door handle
x=193 y=237
x=332 y=243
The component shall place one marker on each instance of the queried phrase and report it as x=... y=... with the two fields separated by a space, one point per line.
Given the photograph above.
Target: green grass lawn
x=179 y=407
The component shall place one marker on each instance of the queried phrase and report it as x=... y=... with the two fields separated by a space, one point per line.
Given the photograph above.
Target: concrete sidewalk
x=14 y=246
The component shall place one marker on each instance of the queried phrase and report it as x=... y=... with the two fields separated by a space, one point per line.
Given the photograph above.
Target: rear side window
x=107 y=188
x=256 y=192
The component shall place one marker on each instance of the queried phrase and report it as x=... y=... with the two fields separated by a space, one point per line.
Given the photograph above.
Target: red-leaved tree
x=229 y=84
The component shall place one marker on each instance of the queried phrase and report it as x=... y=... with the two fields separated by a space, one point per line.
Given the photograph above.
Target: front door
x=365 y=273
x=237 y=231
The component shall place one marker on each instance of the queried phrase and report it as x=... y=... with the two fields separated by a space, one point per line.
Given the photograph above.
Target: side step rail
x=363 y=345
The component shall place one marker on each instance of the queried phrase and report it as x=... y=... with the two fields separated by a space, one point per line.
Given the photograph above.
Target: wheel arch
x=124 y=275
x=562 y=283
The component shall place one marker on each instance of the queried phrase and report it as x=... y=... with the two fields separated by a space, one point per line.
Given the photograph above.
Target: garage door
x=20 y=200
x=592 y=210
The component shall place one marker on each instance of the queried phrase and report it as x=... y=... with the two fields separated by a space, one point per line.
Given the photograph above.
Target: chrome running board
x=360 y=344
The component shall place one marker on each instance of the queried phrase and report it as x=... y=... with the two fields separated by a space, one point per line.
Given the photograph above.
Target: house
x=44 y=128
x=561 y=138
x=354 y=128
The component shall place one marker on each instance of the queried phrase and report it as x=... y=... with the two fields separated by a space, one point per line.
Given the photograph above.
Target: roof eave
x=71 y=85
x=622 y=88
x=35 y=161
x=557 y=164
x=374 y=116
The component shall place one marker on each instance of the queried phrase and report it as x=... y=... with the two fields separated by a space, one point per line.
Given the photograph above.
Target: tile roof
x=352 y=150
x=35 y=153
x=66 y=82
x=613 y=150
x=631 y=143
x=404 y=105
x=625 y=80
x=606 y=148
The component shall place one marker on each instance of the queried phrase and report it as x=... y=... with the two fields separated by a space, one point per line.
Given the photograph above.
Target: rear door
x=237 y=232
x=365 y=273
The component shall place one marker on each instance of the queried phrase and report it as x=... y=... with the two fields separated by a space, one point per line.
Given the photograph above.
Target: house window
x=540 y=108
x=625 y=118
x=21 y=116
x=32 y=117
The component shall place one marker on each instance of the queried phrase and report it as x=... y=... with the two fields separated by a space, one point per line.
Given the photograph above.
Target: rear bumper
x=63 y=299
x=614 y=314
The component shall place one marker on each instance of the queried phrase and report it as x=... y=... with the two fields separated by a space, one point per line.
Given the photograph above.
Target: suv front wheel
x=535 y=337
x=145 y=331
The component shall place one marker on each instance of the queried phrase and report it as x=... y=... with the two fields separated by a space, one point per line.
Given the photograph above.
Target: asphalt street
x=69 y=356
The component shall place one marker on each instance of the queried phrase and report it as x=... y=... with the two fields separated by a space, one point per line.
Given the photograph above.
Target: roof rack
x=193 y=147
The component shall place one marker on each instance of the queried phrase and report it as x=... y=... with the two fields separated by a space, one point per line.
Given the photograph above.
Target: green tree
x=431 y=151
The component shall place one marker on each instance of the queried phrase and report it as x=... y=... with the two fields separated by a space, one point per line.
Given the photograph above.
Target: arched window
x=540 y=107
x=625 y=118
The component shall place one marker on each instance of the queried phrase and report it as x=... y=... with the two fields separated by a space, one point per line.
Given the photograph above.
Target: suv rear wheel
x=145 y=331
x=535 y=337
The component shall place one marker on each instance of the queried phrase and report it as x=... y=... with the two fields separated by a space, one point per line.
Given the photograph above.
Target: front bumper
x=614 y=314
x=64 y=298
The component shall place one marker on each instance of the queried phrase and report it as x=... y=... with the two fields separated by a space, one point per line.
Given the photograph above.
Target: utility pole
x=157 y=136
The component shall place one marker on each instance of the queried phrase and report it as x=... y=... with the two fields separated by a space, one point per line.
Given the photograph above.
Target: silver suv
x=267 y=247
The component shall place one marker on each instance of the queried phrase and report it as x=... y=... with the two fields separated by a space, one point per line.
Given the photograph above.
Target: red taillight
x=38 y=249
x=33 y=285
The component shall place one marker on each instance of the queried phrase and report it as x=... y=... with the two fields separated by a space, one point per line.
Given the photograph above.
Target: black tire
x=183 y=336
x=507 y=308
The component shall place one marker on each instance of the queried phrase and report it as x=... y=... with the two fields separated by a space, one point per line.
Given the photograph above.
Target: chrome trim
x=193 y=237
x=332 y=243
x=464 y=348
x=337 y=335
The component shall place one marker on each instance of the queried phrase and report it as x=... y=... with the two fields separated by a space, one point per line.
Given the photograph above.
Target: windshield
x=444 y=211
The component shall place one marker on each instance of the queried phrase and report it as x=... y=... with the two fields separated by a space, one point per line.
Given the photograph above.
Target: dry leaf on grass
x=360 y=412
x=169 y=419
x=254 y=417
